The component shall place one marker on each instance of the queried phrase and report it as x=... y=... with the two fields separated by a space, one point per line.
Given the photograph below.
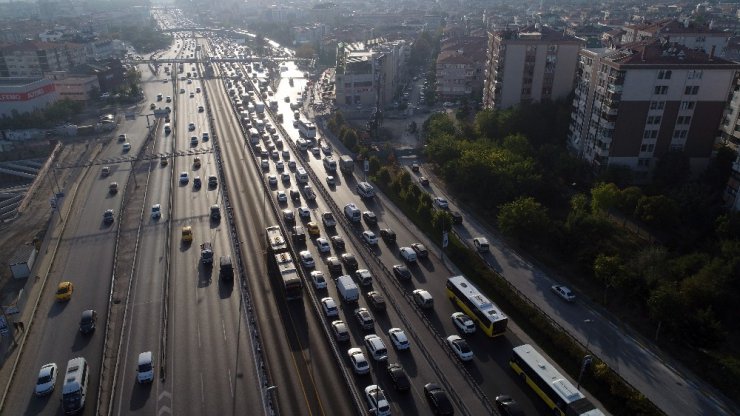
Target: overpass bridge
x=210 y=59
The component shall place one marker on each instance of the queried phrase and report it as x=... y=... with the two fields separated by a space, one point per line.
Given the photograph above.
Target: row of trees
x=143 y=39
x=664 y=256
x=58 y=112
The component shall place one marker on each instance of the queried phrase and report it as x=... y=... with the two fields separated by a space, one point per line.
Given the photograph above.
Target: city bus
x=281 y=263
x=307 y=129
x=477 y=306
x=559 y=394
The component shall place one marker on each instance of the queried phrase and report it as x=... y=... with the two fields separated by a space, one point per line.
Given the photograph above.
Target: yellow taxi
x=187 y=234
x=64 y=291
x=313 y=229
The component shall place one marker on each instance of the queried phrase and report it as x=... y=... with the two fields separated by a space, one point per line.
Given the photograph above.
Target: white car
x=564 y=292
x=399 y=339
x=272 y=180
x=329 y=306
x=145 y=368
x=282 y=197
x=376 y=348
x=481 y=244
x=463 y=322
x=184 y=177
x=377 y=401
x=47 y=379
x=441 y=203
x=370 y=237
x=408 y=254
x=358 y=360
x=460 y=347
x=331 y=181
x=156 y=211
x=317 y=277
x=304 y=213
x=307 y=259
x=323 y=245
x=126 y=147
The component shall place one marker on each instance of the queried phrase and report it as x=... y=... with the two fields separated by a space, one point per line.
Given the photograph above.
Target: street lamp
x=587 y=359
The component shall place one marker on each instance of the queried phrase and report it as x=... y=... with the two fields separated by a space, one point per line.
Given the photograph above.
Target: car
x=370 y=218
x=398 y=377
x=281 y=197
x=201 y=109
x=285 y=178
x=182 y=90
x=564 y=292
x=330 y=181
x=105 y=171
x=388 y=235
x=184 y=178
x=168 y=99
x=280 y=166
x=375 y=347
x=440 y=203
x=328 y=219
x=272 y=180
x=370 y=238
x=87 y=321
x=64 y=291
x=363 y=277
x=402 y=272
x=197 y=89
x=307 y=259
x=340 y=330
x=197 y=183
x=358 y=360
x=113 y=188
x=334 y=265
x=438 y=400
x=156 y=211
x=288 y=216
x=304 y=213
x=423 y=181
x=337 y=242
x=376 y=401
x=457 y=218
x=187 y=234
x=460 y=347
x=350 y=262
x=108 y=216
x=212 y=181
x=399 y=339
x=463 y=322
x=126 y=147
x=423 y=298
x=408 y=254
x=414 y=167
x=191 y=126
x=265 y=164
x=421 y=250
x=294 y=194
x=215 y=212
x=145 y=368
x=205 y=136
x=329 y=306
x=376 y=300
x=481 y=244
x=508 y=406
x=299 y=234
x=317 y=277
x=152 y=106
x=365 y=318
x=46 y=380
x=196 y=163
x=291 y=164
x=316 y=151
x=323 y=245
x=122 y=137
x=313 y=229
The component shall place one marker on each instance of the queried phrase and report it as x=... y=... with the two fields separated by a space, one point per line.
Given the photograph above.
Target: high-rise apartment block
x=636 y=103
x=529 y=65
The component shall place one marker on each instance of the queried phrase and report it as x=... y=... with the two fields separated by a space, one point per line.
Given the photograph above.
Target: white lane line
x=197 y=329
x=231 y=386
x=223 y=329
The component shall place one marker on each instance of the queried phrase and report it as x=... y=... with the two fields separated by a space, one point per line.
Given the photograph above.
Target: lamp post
x=587 y=359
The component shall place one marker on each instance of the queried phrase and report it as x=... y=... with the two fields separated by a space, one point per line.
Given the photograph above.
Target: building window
x=683 y=120
x=653 y=119
x=650 y=134
x=660 y=90
x=680 y=134
x=643 y=162
x=676 y=148
x=688 y=105
x=691 y=90
x=657 y=105
x=647 y=148
x=695 y=74
x=664 y=74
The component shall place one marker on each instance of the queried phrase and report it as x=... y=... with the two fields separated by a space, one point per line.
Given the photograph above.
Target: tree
x=628 y=199
x=659 y=211
x=523 y=219
x=609 y=270
x=604 y=196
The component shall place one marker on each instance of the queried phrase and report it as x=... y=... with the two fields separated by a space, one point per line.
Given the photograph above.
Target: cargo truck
x=347 y=289
x=346 y=164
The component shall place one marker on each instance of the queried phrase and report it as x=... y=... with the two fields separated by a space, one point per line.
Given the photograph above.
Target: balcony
x=612 y=88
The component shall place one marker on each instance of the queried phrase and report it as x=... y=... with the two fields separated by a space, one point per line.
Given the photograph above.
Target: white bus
x=307 y=129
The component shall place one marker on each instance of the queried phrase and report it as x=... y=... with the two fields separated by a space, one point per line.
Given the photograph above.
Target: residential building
x=34 y=59
x=634 y=104
x=24 y=95
x=689 y=34
x=529 y=65
x=460 y=67
x=76 y=87
x=732 y=191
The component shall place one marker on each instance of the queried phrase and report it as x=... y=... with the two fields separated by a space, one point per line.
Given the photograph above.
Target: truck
x=259 y=107
x=273 y=105
x=346 y=164
x=347 y=289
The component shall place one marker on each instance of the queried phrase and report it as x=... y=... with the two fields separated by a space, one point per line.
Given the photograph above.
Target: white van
x=301 y=176
x=365 y=190
x=74 y=390
x=260 y=125
x=254 y=136
x=352 y=212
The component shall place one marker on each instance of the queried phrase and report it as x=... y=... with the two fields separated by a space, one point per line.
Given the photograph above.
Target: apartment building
x=691 y=35
x=76 y=87
x=34 y=59
x=532 y=64
x=460 y=67
x=636 y=103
